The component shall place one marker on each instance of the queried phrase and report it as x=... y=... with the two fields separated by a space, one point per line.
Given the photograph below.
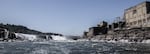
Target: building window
x=148 y=8
x=139 y=21
x=131 y=23
x=127 y=23
x=144 y=20
x=148 y=19
x=135 y=22
x=134 y=11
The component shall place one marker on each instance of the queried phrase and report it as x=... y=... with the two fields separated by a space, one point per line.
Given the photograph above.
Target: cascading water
x=26 y=36
x=36 y=37
x=59 y=38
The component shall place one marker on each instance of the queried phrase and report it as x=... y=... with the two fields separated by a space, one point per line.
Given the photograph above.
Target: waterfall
x=58 y=37
x=26 y=36
x=36 y=37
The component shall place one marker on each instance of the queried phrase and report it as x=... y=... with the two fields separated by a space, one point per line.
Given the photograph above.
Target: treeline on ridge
x=23 y=29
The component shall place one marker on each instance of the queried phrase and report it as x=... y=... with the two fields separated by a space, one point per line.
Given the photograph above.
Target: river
x=77 y=47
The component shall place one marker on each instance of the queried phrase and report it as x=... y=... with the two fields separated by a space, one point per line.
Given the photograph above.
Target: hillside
x=23 y=29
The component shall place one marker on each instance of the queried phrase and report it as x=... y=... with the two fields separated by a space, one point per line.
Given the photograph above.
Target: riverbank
x=113 y=41
x=137 y=35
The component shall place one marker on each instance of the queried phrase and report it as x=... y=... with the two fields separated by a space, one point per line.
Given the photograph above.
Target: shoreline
x=118 y=41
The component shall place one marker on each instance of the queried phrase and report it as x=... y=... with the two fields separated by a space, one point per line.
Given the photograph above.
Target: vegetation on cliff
x=23 y=29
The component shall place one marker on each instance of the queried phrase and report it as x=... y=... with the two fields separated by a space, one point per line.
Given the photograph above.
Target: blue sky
x=69 y=17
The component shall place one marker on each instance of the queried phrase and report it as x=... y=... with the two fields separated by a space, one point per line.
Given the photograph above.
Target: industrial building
x=138 y=15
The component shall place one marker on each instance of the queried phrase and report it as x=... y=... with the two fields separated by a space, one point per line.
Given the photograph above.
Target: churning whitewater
x=62 y=45
x=79 y=47
x=30 y=37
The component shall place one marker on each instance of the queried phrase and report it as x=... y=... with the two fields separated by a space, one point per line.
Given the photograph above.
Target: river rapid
x=74 y=47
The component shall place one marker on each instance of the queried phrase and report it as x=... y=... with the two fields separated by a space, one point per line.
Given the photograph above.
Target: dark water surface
x=83 y=47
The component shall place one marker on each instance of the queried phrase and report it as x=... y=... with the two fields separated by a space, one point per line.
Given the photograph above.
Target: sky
x=68 y=17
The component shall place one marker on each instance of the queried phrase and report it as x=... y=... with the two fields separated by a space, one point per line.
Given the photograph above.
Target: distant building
x=98 y=30
x=102 y=24
x=85 y=34
x=138 y=16
x=93 y=31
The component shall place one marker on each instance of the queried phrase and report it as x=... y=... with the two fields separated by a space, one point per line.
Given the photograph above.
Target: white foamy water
x=35 y=37
x=146 y=41
x=59 y=38
x=26 y=36
x=124 y=41
x=83 y=47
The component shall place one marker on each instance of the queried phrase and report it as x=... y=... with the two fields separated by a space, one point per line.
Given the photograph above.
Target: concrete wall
x=138 y=16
